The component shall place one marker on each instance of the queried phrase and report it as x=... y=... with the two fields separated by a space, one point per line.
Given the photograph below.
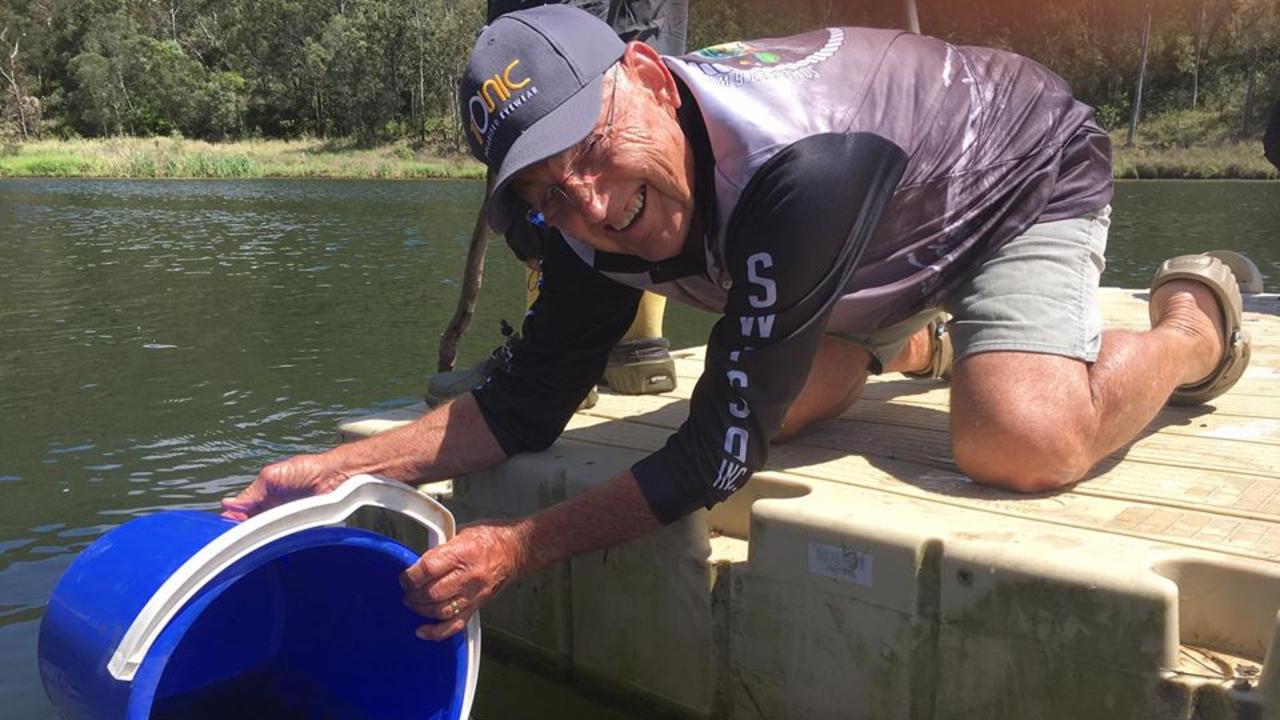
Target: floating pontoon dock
x=861 y=576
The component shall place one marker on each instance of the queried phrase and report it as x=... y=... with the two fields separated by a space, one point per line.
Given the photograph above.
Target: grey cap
x=533 y=88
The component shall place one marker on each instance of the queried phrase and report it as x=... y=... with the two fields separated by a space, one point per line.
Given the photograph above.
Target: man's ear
x=646 y=69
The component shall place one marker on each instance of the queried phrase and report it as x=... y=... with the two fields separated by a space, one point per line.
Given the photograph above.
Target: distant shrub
x=1111 y=117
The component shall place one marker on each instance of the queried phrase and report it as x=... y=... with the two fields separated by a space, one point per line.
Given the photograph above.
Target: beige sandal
x=941 y=355
x=1210 y=270
x=1248 y=276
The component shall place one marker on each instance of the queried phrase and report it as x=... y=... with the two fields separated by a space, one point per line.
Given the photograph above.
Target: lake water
x=161 y=341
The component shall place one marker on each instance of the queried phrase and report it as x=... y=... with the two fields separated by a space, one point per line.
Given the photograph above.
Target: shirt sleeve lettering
x=794 y=241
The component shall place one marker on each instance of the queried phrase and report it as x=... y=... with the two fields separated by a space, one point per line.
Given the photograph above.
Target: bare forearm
x=450 y=440
x=451 y=581
x=601 y=517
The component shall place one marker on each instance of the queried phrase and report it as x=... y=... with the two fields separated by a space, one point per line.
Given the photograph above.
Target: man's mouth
x=633 y=211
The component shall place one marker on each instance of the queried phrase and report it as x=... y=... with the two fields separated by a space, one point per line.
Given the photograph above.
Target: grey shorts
x=1038 y=294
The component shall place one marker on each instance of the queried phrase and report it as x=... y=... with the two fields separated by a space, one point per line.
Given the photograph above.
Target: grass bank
x=179 y=158
x=1230 y=161
x=176 y=158
x=1192 y=144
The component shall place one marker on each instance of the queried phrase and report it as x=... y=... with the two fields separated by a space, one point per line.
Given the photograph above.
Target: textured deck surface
x=1206 y=477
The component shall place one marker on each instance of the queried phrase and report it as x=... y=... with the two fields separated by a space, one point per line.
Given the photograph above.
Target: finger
x=438 y=591
x=446 y=610
x=441 y=631
x=429 y=609
x=235 y=515
x=433 y=565
x=248 y=500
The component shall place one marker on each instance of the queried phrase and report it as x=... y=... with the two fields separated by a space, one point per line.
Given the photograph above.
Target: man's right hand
x=298 y=477
x=448 y=441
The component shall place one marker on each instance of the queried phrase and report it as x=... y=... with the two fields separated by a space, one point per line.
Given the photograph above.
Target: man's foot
x=641 y=367
x=1198 y=297
x=929 y=353
x=1191 y=309
x=443 y=387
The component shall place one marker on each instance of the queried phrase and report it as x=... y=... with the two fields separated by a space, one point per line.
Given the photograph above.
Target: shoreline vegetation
x=1193 y=81
x=177 y=158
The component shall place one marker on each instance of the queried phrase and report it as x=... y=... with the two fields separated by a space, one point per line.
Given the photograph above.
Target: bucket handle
x=266 y=527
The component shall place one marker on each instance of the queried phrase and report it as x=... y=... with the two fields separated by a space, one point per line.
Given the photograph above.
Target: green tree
x=220 y=107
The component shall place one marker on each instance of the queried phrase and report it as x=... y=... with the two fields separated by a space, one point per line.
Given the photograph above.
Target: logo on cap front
x=496 y=100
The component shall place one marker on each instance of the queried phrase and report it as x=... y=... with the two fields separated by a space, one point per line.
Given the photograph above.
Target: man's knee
x=812 y=407
x=1024 y=448
x=1022 y=421
x=835 y=380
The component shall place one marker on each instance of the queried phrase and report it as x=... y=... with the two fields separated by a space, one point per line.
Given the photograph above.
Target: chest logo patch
x=740 y=63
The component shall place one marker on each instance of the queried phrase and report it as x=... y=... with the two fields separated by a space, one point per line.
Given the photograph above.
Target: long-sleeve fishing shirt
x=845 y=179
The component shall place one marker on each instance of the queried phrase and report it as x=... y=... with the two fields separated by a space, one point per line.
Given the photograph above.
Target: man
x=825 y=193
x=640 y=363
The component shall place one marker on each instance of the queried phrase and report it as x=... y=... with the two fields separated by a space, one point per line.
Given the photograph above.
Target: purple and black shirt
x=845 y=180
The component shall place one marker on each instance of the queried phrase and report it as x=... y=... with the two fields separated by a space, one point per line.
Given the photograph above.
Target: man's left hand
x=450 y=582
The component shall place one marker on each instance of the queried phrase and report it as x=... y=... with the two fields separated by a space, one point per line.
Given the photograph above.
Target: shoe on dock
x=1216 y=271
x=641 y=367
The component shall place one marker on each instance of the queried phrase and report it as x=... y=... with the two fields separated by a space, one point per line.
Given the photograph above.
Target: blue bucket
x=287 y=615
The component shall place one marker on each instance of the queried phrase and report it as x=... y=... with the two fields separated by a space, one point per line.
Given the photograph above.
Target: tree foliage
x=372 y=70
x=1203 y=53
x=362 y=69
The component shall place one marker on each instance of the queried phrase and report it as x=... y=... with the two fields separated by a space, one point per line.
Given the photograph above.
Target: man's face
x=628 y=186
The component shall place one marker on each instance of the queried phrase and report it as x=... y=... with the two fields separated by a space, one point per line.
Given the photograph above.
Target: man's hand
x=449 y=441
x=298 y=477
x=450 y=582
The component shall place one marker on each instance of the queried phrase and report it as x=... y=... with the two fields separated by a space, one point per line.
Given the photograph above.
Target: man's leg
x=648 y=322
x=1033 y=422
x=1029 y=416
x=838 y=375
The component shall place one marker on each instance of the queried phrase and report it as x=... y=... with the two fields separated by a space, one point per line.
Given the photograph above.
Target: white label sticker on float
x=841 y=563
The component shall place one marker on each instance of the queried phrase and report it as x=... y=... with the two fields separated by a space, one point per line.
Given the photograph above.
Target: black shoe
x=641 y=367
x=445 y=386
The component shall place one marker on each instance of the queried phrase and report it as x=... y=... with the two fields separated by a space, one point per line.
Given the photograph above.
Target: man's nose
x=589 y=199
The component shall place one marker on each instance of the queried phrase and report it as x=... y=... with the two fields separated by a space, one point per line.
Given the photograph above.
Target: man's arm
x=793 y=242
x=450 y=440
x=523 y=406
x=756 y=363
x=453 y=580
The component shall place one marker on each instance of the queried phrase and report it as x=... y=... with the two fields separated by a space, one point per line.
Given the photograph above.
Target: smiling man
x=826 y=194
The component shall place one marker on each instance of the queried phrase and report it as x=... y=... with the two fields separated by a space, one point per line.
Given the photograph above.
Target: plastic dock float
x=862 y=576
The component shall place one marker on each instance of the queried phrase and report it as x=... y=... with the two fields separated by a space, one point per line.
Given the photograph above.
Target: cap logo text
x=495 y=90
